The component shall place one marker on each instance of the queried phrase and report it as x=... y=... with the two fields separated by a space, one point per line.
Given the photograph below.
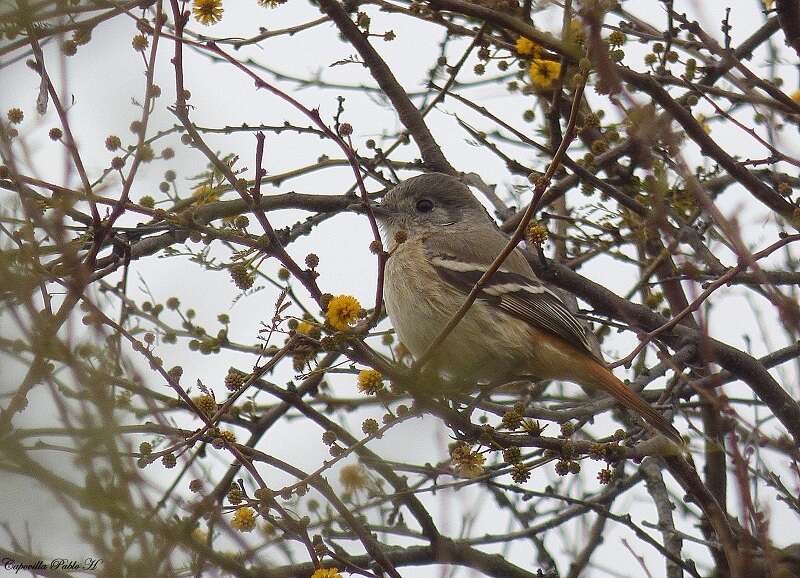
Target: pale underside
x=488 y=344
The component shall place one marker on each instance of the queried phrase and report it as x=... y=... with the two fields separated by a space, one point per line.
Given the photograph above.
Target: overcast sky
x=104 y=77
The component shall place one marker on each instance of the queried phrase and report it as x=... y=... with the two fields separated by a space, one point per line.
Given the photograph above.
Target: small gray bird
x=516 y=328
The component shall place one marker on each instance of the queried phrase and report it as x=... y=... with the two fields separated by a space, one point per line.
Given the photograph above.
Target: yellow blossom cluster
x=543 y=72
x=207 y=11
x=526 y=47
x=326 y=573
x=244 y=519
x=342 y=311
x=370 y=381
x=205 y=194
x=206 y=403
x=537 y=234
x=466 y=461
x=353 y=477
x=308 y=328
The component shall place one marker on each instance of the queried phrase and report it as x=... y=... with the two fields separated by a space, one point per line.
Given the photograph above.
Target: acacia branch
x=409 y=115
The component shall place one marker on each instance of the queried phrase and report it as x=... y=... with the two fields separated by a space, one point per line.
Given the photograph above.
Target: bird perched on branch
x=441 y=242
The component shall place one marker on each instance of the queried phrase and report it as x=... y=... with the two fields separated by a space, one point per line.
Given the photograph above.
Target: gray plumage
x=459 y=240
x=516 y=327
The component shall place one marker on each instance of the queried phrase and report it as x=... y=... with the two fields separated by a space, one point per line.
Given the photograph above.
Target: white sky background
x=105 y=75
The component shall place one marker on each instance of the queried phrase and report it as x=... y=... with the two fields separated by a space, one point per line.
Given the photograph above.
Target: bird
x=440 y=241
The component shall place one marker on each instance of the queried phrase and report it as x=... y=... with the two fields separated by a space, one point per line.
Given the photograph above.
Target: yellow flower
x=544 y=72
x=308 y=328
x=796 y=95
x=537 y=234
x=701 y=118
x=206 y=404
x=244 y=519
x=326 y=573
x=353 y=477
x=527 y=47
x=467 y=462
x=205 y=194
x=207 y=11
x=228 y=436
x=15 y=115
x=342 y=311
x=370 y=381
x=575 y=32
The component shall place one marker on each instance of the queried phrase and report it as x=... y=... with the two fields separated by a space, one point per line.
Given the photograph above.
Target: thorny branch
x=652 y=207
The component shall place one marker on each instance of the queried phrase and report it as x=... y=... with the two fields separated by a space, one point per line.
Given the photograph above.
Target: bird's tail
x=602 y=378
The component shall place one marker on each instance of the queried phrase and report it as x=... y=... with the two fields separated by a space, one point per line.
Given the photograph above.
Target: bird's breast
x=420 y=304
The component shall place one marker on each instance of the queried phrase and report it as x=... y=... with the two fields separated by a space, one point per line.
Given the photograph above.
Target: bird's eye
x=424 y=205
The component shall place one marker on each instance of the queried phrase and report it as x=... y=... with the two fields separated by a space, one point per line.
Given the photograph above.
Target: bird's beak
x=378 y=209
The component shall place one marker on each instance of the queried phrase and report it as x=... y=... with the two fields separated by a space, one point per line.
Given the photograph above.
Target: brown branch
x=409 y=115
x=724 y=279
x=651 y=470
x=445 y=551
x=769 y=361
x=744 y=366
x=70 y=143
x=686 y=475
x=374 y=548
x=729 y=56
x=510 y=21
x=397 y=482
x=303 y=276
x=743 y=52
x=43 y=33
x=708 y=146
x=581 y=561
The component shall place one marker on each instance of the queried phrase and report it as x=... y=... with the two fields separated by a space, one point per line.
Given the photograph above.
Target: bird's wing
x=514 y=288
